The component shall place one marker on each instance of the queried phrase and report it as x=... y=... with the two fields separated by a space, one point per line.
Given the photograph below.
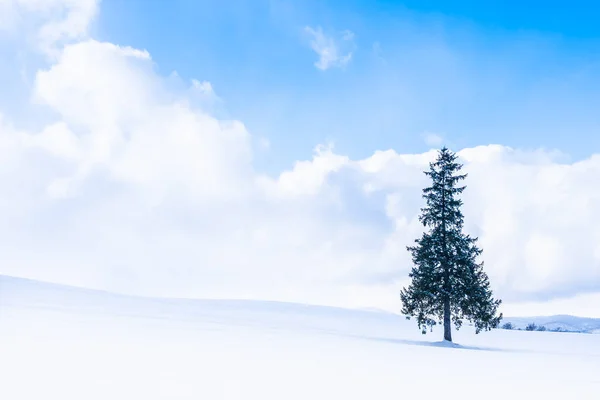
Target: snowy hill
x=563 y=322
x=67 y=343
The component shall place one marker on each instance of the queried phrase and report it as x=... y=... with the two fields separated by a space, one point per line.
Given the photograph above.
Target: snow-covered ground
x=64 y=343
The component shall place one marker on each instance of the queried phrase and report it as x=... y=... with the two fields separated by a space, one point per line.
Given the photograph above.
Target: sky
x=274 y=149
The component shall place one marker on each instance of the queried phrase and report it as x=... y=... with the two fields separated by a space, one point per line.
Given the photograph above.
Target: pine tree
x=447 y=282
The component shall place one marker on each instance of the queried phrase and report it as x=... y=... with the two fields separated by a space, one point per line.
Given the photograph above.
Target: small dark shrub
x=531 y=327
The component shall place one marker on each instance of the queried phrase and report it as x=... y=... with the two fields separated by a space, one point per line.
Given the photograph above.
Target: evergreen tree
x=447 y=282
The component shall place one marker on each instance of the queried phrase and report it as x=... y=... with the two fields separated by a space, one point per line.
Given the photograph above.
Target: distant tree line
x=532 y=327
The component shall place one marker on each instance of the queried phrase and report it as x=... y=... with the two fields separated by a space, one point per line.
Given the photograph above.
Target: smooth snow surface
x=64 y=343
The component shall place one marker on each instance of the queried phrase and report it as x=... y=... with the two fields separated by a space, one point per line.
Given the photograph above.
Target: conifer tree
x=447 y=282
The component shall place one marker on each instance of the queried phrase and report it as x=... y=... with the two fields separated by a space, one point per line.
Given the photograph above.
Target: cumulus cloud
x=135 y=186
x=332 y=51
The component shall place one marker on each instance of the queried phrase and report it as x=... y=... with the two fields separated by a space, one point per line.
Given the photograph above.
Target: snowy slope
x=64 y=343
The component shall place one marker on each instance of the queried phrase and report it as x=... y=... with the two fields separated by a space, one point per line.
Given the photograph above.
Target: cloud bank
x=134 y=186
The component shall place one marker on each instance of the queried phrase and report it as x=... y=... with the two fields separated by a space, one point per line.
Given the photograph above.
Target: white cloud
x=332 y=51
x=129 y=124
x=203 y=87
x=49 y=22
x=433 y=139
x=132 y=187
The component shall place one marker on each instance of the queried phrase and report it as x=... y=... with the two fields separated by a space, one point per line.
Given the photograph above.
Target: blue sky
x=524 y=76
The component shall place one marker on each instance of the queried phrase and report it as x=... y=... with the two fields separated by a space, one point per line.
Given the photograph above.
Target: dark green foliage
x=447 y=281
x=431 y=323
x=541 y=328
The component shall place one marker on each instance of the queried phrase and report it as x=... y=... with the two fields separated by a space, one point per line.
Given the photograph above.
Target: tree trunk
x=447 y=321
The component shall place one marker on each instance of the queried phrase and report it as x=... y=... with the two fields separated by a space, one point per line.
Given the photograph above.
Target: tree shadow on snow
x=443 y=344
